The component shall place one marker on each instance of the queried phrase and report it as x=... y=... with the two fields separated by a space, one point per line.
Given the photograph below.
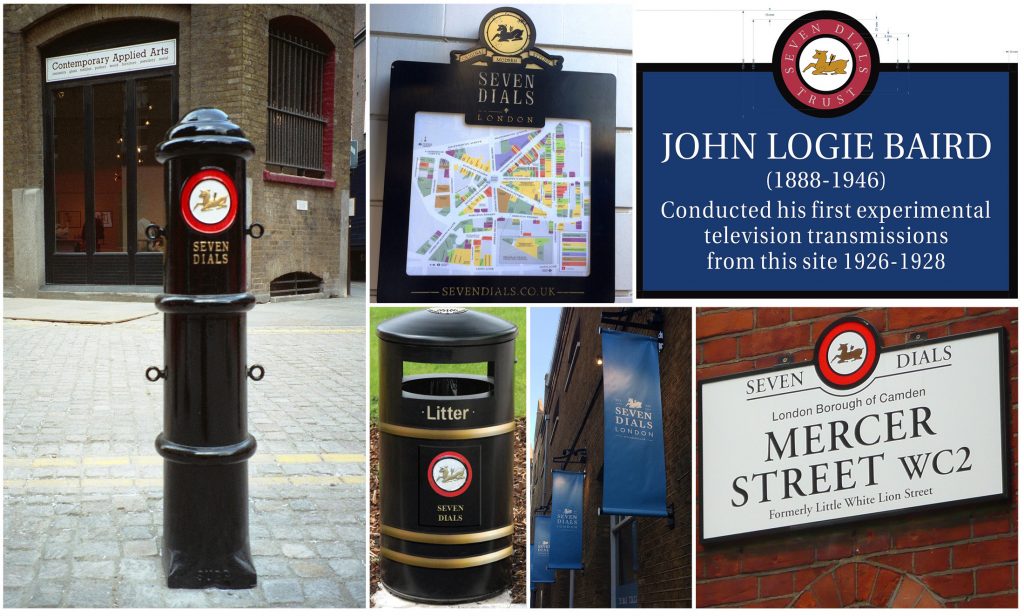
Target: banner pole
x=614 y=551
x=572 y=587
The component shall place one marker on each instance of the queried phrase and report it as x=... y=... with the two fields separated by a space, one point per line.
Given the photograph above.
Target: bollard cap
x=446 y=327
x=205 y=130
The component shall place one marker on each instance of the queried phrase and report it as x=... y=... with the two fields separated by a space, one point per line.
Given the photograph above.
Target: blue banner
x=540 y=551
x=567 y=520
x=634 y=448
x=626 y=595
x=895 y=213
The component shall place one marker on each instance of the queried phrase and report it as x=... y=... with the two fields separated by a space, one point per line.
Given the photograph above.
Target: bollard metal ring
x=255 y=370
x=252 y=230
x=153 y=232
x=154 y=374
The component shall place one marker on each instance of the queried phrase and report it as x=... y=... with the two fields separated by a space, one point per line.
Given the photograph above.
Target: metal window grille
x=296 y=283
x=295 y=114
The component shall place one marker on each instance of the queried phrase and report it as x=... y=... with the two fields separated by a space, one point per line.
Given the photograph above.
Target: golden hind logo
x=504 y=34
x=447 y=476
x=846 y=353
x=208 y=200
x=823 y=67
x=634 y=404
x=507 y=33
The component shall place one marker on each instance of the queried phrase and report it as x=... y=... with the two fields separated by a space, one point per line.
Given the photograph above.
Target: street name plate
x=782 y=448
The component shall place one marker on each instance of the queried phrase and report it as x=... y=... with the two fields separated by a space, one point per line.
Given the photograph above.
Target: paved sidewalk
x=75 y=311
x=82 y=482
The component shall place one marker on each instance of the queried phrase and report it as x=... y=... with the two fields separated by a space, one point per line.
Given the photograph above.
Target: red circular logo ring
x=459 y=458
x=186 y=201
x=862 y=63
x=871 y=352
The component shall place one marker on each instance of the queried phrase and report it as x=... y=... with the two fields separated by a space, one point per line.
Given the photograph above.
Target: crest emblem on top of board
x=507 y=37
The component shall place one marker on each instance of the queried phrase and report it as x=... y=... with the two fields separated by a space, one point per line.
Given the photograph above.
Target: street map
x=499 y=201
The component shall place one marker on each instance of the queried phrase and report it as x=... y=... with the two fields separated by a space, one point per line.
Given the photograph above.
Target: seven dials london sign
x=500 y=175
x=858 y=432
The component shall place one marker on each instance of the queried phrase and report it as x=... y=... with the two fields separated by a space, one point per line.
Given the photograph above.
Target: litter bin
x=446 y=456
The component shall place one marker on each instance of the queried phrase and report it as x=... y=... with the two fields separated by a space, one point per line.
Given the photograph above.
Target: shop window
x=154 y=116
x=110 y=160
x=300 y=100
x=69 y=169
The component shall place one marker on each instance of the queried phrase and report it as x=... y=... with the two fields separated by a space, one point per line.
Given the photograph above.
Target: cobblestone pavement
x=82 y=481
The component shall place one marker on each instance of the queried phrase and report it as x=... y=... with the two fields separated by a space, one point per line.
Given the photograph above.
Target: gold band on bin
x=459 y=434
x=446 y=563
x=440 y=539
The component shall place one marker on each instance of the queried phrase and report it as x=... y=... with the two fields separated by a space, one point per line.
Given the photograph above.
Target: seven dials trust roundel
x=825 y=64
x=209 y=201
x=847 y=353
x=449 y=474
x=507 y=31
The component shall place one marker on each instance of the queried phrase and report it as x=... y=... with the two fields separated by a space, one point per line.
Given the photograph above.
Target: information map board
x=500 y=176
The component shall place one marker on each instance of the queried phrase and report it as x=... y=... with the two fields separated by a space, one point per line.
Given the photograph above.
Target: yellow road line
x=118 y=461
x=51 y=462
x=266 y=458
x=75 y=483
x=298 y=458
x=320 y=480
x=343 y=457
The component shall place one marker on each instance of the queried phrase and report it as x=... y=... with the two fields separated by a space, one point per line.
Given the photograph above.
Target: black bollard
x=205 y=442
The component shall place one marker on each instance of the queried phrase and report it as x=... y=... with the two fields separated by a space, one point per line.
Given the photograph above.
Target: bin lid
x=446 y=327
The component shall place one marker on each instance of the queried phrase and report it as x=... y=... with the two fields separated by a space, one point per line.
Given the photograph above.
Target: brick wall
x=359 y=82
x=954 y=557
x=232 y=77
x=428 y=32
x=664 y=553
x=313 y=241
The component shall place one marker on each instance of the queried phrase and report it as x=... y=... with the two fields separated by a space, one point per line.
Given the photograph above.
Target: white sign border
x=1004 y=419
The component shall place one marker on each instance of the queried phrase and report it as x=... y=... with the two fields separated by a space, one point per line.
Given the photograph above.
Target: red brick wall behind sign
x=955 y=557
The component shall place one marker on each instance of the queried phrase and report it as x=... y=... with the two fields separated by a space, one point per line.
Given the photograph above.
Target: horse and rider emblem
x=826 y=67
x=449 y=474
x=847 y=353
x=208 y=200
x=504 y=34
